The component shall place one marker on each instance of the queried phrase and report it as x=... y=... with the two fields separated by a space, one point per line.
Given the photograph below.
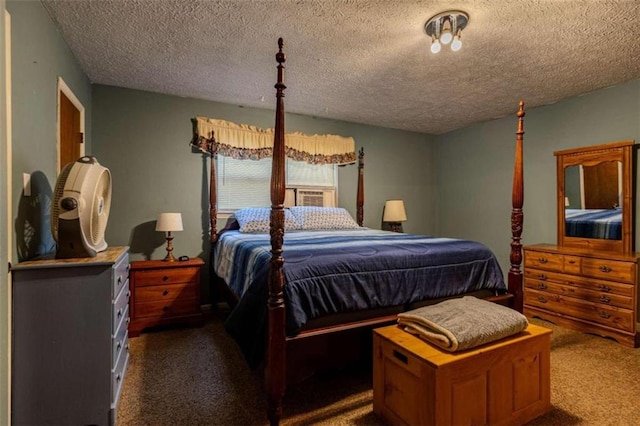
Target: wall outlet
x=26 y=184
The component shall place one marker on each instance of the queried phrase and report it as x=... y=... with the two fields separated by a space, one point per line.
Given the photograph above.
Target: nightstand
x=164 y=293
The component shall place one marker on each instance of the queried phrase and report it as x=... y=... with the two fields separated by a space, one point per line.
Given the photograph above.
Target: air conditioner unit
x=325 y=197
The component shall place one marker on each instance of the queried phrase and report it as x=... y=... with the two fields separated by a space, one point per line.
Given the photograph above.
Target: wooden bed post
x=360 y=195
x=213 y=196
x=517 y=200
x=276 y=345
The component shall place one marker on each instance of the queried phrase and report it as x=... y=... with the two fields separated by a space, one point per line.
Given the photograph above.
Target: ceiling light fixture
x=445 y=28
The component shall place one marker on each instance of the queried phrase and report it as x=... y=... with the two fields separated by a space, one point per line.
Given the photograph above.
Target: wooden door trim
x=8 y=240
x=64 y=88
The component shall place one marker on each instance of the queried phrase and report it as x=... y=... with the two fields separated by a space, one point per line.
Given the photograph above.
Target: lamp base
x=395 y=226
x=169 y=257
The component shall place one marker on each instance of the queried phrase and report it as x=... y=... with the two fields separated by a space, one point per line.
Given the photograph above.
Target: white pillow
x=316 y=218
x=256 y=220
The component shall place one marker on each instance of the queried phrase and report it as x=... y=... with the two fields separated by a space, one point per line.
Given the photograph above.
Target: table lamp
x=169 y=222
x=394 y=214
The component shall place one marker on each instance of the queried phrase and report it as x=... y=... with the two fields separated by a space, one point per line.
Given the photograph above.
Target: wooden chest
x=505 y=382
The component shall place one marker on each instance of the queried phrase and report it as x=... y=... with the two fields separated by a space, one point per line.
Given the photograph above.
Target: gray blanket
x=462 y=323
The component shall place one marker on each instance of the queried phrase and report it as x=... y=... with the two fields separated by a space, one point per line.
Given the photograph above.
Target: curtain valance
x=242 y=141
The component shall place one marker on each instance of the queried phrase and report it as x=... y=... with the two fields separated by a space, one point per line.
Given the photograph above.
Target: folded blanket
x=463 y=323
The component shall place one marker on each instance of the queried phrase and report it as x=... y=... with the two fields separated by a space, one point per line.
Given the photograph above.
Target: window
x=246 y=183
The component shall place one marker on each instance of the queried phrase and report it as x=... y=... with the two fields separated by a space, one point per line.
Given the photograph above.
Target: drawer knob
x=165 y=277
x=118 y=346
x=119 y=314
x=542 y=277
x=605 y=268
x=165 y=308
x=604 y=314
x=542 y=286
x=164 y=293
x=119 y=280
x=118 y=378
x=604 y=288
x=571 y=262
x=542 y=299
x=605 y=299
x=542 y=260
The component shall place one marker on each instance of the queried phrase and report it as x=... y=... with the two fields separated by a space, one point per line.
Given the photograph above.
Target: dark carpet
x=197 y=376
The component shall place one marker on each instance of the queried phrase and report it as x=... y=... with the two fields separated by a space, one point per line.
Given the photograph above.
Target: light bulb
x=446 y=36
x=435 y=47
x=457 y=44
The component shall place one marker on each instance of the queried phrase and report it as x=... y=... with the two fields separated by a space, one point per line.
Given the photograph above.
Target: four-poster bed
x=277 y=297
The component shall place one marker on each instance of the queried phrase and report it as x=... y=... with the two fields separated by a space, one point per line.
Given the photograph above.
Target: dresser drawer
x=536 y=278
x=580 y=293
x=166 y=276
x=120 y=275
x=609 y=269
x=119 y=307
x=543 y=260
x=119 y=342
x=166 y=292
x=611 y=316
x=167 y=308
x=117 y=375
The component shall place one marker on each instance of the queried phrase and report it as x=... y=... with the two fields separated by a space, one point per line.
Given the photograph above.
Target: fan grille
x=100 y=208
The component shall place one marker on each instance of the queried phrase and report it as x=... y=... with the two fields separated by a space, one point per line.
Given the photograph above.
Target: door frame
x=7 y=237
x=64 y=88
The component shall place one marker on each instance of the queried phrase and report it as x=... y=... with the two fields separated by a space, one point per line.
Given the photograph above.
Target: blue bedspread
x=328 y=272
x=594 y=223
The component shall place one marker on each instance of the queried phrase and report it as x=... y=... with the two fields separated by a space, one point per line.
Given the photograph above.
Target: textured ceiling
x=365 y=61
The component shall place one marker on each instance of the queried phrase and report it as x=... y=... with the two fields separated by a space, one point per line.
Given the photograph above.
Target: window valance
x=242 y=141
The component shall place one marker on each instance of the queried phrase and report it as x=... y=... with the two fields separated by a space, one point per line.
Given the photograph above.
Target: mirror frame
x=590 y=156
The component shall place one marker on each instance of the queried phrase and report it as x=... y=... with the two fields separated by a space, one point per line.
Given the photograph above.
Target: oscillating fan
x=80 y=208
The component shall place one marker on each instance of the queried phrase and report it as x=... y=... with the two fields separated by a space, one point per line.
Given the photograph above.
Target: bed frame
x=276 y=355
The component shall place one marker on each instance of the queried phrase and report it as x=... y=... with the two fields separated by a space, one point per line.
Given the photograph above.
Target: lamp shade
x=169 y=222
x=394 y=211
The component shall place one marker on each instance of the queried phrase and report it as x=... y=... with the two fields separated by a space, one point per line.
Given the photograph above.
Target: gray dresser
x=70 y=350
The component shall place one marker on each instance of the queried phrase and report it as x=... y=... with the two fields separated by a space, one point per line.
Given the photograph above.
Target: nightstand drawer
x=168 y=308
x=166 y=293
x=166 y=276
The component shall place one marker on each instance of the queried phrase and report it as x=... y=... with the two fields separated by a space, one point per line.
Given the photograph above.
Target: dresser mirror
x=595 y=197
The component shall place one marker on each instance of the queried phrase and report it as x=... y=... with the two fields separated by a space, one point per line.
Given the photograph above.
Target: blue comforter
x=593 y=223
x=329 y=272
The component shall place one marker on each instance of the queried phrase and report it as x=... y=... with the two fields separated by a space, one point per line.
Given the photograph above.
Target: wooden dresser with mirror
x=588 y=281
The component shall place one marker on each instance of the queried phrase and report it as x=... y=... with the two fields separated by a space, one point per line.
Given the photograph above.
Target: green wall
x=39 y=57
x=143 y=138
x=475 y=165
x=4 y=285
